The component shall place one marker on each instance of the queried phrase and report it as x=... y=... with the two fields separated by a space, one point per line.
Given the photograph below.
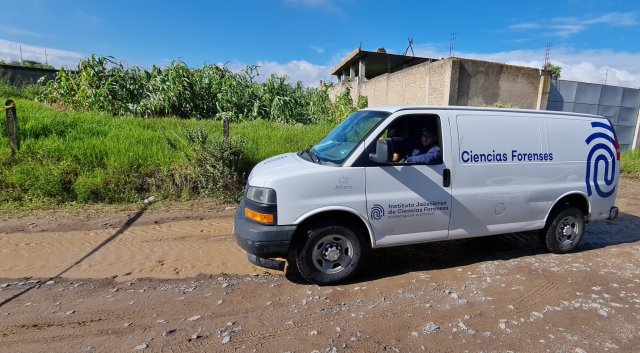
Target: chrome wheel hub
x=331 y=252
x=566 y=229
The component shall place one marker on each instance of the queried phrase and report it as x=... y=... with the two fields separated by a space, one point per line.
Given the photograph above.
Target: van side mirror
x=383 y=152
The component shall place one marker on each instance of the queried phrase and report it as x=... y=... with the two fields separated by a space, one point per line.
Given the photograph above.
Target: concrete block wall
x=452 y=81
x=483 y=83
x=420 y=84
x=21 y=75
x=426 y=83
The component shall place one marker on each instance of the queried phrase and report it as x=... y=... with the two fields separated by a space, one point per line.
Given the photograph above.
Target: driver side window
x=414 y=139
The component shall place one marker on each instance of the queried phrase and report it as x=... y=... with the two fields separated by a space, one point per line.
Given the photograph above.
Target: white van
x=498 y=171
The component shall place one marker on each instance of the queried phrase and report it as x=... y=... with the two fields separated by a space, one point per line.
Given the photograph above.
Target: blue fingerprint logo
x=601 y=155
x=377 y=211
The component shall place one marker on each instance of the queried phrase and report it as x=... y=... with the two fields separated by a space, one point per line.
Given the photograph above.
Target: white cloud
x=296 y=70
x=611 y=18
x=10 y=51
x=312 y=3
x=577 y=65
x=525 y=26
x=84 y=17
x=19 y=31
x=319 y=50
x=567 y=26
x=320 y=4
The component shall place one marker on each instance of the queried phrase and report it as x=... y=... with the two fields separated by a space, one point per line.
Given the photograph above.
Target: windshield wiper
x=311 y=154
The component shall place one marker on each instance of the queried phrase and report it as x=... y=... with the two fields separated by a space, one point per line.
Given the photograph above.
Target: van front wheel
x=330 y=254
x=564 y=232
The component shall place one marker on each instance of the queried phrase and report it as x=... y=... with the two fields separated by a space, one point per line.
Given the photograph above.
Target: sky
x=592 y=40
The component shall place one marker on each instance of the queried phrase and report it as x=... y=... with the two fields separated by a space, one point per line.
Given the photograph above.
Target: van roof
x=396 y=108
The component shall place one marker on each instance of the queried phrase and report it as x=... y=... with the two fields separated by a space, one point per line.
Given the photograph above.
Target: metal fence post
x=12 y=126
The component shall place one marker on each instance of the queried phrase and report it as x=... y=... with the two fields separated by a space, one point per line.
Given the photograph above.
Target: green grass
x=26 y=92
x=630 y=163
x=70 y=157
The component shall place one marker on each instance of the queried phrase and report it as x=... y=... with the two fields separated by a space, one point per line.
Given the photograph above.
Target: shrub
x=219 y=166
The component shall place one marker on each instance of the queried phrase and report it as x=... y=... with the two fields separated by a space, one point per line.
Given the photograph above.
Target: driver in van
x=428 y=152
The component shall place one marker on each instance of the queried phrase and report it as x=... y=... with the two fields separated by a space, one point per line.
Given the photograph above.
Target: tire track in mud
x=534 y=298
x=169 y=250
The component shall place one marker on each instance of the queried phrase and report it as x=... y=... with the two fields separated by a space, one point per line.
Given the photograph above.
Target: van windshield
x=341 y=141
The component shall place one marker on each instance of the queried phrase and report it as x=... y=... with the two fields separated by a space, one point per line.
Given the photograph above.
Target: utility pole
x=46 y=58
x=21 y=54
x=606 y=76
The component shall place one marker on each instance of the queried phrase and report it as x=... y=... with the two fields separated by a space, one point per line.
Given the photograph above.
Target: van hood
x=279 y=166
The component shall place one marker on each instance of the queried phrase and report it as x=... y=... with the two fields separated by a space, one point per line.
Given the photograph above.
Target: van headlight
x=261 y=195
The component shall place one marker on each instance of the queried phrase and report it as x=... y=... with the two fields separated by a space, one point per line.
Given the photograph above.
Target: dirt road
x=155 y=281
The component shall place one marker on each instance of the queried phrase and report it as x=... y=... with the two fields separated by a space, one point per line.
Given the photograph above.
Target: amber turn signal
x=265 y=218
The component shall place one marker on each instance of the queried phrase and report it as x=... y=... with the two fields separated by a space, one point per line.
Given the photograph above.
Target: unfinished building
x=390 y=79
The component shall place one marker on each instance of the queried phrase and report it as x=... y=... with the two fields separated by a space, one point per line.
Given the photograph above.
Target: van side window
x=416 y=139
x=404 y=133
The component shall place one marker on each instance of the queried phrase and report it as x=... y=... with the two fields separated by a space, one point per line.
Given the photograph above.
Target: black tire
x=314 y=255
x=564 y=230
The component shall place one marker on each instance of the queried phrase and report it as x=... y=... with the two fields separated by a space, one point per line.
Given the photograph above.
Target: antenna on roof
x=547 y=56
x=360 y=46
x=409 y=47
x=452 y=44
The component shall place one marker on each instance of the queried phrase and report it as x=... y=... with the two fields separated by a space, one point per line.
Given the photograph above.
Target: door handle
x=446 y=178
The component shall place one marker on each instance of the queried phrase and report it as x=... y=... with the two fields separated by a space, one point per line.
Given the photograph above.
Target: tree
x=553 y=70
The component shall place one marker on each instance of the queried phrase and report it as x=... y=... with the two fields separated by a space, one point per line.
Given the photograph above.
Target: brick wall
x=451 y=81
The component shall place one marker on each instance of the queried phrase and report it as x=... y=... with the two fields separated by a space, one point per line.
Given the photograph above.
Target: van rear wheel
x=329 y=254
x=565 y=231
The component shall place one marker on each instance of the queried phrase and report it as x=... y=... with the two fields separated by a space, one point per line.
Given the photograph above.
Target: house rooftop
x=376 y=63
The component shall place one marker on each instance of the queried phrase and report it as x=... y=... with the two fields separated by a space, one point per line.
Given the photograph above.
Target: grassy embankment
x=630 y=163
x=69 y=157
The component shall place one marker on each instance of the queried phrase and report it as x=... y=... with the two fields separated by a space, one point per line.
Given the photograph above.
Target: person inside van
x=428 y=152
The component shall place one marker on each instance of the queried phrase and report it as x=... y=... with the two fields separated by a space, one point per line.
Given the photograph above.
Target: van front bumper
x=262 y=241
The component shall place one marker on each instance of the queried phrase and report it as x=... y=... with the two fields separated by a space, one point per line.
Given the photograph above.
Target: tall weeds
x=209 y=92
x=94 y=157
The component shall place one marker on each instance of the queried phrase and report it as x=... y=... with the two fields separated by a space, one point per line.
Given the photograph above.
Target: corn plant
x=209 y=92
